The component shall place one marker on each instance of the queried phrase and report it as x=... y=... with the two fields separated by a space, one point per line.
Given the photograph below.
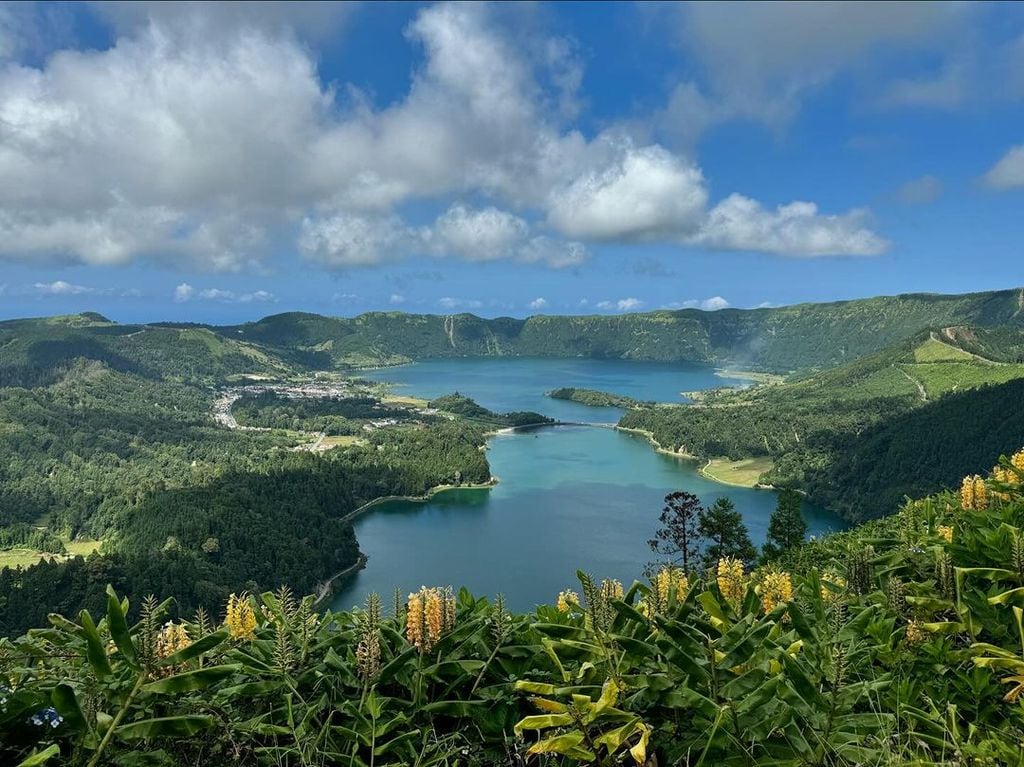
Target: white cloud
x=459 y=303
x=622 y=305
x=921 y=190
x=61 y=288
x=478 y=235
x=796 y=229
x=203 y=140
x=646 y=193
x=64 y=288
x=708 y=304
x=538 y=304
x=1009 y=171
x=396 y=299
x=353 y=239
x=185 y=292
x=714 y=304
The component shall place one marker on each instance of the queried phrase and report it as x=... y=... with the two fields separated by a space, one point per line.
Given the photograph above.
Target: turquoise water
x=569 y=496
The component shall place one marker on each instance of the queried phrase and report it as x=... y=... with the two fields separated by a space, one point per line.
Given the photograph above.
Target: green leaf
x=167 y=726
x=199 y=647
x=66 y=702
x=119 y=628
x=95 y=651
x=543 y=722
x=192 y=680
x=40 y=758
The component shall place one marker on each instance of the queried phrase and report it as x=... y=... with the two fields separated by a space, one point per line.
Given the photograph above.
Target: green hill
x=804 y=336
x=818 y=427
x=36 y=352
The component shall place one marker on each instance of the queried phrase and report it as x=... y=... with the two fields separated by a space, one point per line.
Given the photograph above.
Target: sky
x=221 y=162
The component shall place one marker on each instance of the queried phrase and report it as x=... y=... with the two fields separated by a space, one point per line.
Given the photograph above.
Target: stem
x=109 y=735
x=480 y=676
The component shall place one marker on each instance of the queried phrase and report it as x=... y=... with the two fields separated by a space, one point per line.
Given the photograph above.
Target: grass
x=400 y=399
x=343 y=440
x=23 y=557
x=941 y=377
x=742 y=473
x=934 y=350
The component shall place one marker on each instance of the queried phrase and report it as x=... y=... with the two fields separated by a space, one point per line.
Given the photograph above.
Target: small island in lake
x=595 y=398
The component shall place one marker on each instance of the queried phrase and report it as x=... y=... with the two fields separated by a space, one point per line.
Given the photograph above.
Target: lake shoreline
x=649 y=436
x=326 y=588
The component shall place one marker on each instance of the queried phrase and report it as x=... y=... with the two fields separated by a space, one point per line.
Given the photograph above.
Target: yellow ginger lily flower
x=171 y=639
x=945 y=532
x=567 y=600
x=430 y=613
x=731 y=579
x=973 y=493
x=915 y=633
x=1017 y=460
x=611 y=589
x=828 y=596
x=240 y=620
x=776 y=589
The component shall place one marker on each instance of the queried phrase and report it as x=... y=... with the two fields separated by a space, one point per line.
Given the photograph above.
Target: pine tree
x=726 y=536
x=786 y=527
x=678 y=538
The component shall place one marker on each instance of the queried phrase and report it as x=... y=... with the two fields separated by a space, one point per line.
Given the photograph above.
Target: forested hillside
x=109 y=442
x=783 y=339
x=825 y=430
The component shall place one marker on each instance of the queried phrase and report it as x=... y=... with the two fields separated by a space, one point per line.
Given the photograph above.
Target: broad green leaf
x=119 y=628
x=543 y=722
x=66 y=702
x=95 y=651
x=40 y=758
x=197 y=679
x=167 y=726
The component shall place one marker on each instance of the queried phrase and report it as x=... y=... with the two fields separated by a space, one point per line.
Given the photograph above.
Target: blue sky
x=223 y=162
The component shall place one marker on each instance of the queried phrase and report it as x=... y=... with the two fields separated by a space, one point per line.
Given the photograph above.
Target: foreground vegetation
x=898 y=643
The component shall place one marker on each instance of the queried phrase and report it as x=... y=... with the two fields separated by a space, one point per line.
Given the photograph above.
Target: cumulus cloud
x=645 y=194
x=538 y=303
x=478 y=235
x=921 y=190
x=185 y=292
x=622 y=305
x=459 y=303
x=204 y=136
x=1008 y=172
x=468 y=234
x=396 y=299
x=796 y=229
